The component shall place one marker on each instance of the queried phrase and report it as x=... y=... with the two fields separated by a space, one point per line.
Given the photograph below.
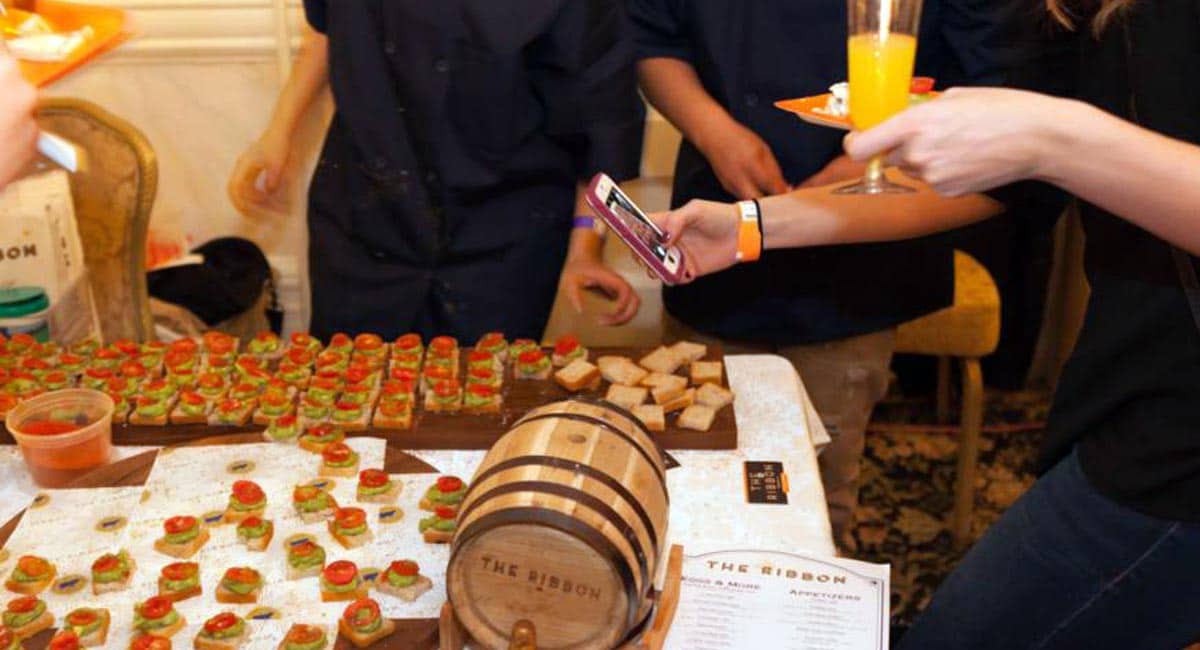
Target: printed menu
x=769 y=599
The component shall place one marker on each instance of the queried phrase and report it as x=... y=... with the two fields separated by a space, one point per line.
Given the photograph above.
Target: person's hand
x=743 y=162
x=706 y=232
x=840 y=169
x=587 y=273
x=18 y=130
x=969 y=139
x=257 y=185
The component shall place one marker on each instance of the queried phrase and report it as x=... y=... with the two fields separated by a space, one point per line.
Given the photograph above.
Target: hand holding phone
x=634 y=228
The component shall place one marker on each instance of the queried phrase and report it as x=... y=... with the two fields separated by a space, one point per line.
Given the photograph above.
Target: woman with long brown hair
x=1102 y=552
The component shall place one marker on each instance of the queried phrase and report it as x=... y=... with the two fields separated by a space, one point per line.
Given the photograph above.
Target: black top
x=443 y=198
x=1130 y=394
x=748 y=55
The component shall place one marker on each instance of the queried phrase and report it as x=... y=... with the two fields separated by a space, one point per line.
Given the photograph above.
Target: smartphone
x=635 y=229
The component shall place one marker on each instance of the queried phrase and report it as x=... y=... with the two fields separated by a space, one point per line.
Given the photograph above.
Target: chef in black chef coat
x=444 y=197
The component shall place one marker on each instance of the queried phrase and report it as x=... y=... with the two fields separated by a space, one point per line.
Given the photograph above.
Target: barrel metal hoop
x=560 y=522
x=579 y=496
x=591 y=419
x=573 y=466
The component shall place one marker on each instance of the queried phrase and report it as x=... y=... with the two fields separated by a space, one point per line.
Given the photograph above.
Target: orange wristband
x=750 y=240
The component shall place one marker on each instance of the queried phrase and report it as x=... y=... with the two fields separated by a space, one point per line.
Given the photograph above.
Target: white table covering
x=776 y=422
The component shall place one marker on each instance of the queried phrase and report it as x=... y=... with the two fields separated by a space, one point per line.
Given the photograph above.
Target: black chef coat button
x=389 y=48
x=379 y=164
x=378 y=254
x=441 y=65
x=751 y=99
x=400 y=110
x=431 y=178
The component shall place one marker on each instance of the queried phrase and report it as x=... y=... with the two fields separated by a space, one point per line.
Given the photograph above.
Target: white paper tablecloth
x=775 y=420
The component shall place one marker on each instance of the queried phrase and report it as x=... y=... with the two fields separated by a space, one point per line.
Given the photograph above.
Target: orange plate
x=805 y=108
x=108 y=23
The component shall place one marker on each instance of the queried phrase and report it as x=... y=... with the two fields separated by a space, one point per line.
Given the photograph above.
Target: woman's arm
x=707 y=231
x=18 y=130
x=268 y=156
x=977 y=139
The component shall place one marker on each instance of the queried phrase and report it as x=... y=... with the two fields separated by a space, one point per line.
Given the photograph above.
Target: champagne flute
x=881 y=50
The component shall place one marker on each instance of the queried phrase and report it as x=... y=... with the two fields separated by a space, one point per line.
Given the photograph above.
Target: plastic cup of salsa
x=63 y=434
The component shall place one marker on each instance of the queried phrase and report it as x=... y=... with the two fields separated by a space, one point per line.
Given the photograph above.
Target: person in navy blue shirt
x=714 y=68
x=464 y=132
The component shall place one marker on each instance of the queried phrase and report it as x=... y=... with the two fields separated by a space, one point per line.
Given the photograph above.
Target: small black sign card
x=766 y=483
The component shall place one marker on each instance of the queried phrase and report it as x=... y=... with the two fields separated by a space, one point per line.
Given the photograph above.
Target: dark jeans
x=1066 y=567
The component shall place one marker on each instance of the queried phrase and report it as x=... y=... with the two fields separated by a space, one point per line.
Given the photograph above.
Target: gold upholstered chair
x=968 y=330
x=113 y=192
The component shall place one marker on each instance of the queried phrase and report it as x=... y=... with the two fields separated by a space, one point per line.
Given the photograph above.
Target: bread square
x=626 y=397
x=706 y=372
x=652 y=416
x=620 y=370
x=664 y=394
x=688 y=352
x=713 y=396
x=660 y=380
x=697 y=417
x=679 y=403
x=661 y=360
x=579 y=375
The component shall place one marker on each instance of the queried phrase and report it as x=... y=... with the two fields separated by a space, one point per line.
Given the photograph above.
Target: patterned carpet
x=908 y=479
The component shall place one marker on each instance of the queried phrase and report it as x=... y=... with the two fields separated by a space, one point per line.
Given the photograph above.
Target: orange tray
x=108 y=27
x=808 y=109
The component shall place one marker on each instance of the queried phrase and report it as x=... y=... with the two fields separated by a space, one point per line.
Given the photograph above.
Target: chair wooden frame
x=146 y=190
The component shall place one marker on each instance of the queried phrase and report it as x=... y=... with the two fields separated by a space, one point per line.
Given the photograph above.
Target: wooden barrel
x=563 y=525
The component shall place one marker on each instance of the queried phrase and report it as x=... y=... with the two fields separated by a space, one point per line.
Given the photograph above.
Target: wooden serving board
x=460 y=431
x=411 y=634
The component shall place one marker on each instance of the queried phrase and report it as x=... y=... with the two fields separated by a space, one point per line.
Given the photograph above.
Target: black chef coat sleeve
x=658 y=29
x=314 y=10
x=583 y=72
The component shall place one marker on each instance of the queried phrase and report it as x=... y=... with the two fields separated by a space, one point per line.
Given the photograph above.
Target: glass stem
x=874 y=180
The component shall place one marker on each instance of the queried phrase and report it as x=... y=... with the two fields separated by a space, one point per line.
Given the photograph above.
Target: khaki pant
x=844 y=379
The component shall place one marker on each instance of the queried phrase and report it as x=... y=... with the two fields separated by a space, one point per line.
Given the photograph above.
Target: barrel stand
x=452 y=635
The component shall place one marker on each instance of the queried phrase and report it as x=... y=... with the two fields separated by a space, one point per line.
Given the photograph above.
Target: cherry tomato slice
x=305 y=493
x=368 y=342
x=405 y=568
x=482 y=390
x=22 y=605
x=340 y=340
x=447 y=388
x=82 y=617
x=445 y=512
x=350 y=517
x=176 y=525
x=190 y=398
x=220 y=622
x=242 y=575
x=355 y=376
x=65 y=640
x=247 y=491
x=150 y=642
x=156 y=607
x=180 y=570
x=342 y=572
x=286 y=421
x=448 y=484
x=301 y=634
x=477 y=356
x=373 y=478
x=361 y=612
x=566 y=345
x=304 y=549
x=408 y=341
x=531 y=356
x=338 y=452
x=393 y=408
x=33 y=565
x=443 y=344
x=106 y=563
x=302 y=340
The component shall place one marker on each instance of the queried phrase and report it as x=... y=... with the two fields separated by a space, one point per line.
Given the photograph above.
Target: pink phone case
x=627 y=235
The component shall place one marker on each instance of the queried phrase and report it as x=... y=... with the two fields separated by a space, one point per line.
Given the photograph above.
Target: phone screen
x=637 y=222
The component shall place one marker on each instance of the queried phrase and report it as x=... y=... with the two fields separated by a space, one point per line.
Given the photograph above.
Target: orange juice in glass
x=881 y=50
